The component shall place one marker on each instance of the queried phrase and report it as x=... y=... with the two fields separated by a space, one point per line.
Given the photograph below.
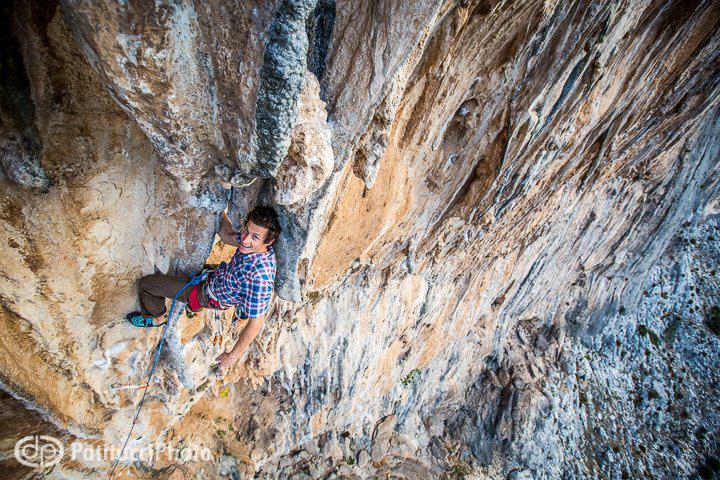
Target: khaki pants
x=155 y=288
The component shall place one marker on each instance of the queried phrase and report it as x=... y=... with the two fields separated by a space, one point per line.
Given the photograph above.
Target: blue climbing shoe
x=137 y=319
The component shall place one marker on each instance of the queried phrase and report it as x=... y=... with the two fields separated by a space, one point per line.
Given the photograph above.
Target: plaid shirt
x=247 y=281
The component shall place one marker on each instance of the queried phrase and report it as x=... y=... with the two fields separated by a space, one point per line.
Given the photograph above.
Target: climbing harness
x=193 y=281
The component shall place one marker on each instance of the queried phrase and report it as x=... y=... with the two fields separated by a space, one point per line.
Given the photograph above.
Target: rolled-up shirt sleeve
x=257 y=302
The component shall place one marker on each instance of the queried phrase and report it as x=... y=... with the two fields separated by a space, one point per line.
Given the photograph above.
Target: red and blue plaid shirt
x=247 y=281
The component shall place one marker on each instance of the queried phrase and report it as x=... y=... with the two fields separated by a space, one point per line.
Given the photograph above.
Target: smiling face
x=253 y=238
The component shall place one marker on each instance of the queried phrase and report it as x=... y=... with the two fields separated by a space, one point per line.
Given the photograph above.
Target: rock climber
x=246 y=282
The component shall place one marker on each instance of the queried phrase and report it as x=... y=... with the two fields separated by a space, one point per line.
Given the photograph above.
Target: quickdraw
x=218 y=337
x=117 y=386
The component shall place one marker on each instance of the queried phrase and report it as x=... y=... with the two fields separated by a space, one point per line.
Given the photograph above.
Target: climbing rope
x=218 y=339
x=193 y=281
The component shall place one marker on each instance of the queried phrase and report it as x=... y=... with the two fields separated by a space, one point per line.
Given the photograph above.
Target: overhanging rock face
x=500 y=232
x=187 y=73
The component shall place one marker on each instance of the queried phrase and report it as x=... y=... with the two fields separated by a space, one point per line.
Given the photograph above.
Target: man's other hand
x=227 y=233
x=225 y=360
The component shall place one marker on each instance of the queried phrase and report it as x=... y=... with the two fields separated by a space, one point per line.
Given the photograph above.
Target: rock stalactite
x=281 y=80
x=501 y=234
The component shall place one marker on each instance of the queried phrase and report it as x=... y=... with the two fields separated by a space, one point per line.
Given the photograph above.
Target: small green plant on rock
x=410 y=378
x=644 y=330
x=203 y=386
x=458 y=468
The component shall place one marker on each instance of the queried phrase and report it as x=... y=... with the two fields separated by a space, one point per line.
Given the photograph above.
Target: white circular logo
x=39 y=451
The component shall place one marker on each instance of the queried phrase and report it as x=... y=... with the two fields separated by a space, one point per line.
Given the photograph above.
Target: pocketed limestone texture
x=500 y=238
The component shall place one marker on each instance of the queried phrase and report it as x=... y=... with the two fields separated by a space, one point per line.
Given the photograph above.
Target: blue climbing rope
x=193 y=281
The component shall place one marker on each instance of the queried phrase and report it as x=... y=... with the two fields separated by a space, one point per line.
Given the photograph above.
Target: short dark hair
x=266 y=217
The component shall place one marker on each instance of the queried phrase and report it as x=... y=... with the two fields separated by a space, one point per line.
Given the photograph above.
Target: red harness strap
x=194 y=302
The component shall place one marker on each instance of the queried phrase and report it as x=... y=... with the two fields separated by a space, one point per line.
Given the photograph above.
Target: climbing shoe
x=137 y=319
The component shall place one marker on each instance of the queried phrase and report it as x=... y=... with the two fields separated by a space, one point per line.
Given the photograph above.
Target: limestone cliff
x=501 y=233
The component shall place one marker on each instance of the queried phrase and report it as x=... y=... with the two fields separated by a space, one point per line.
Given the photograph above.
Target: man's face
x=253 y=238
